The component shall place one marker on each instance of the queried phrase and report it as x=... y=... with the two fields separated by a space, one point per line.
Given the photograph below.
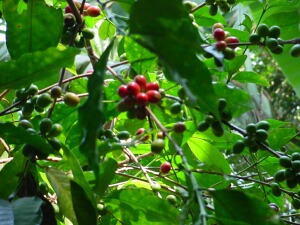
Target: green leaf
x=83 y=207
x=203 y=17
x=6 y=213
x=128 y=206
x=165 y=28
x=61 y=185
x=234 y=65
x=18 y=135
x=251 y=77
x=107 y=29
x=28 y=32
x=78 y=175
x=91 y=125
x=280 y=136
x=247 y=23
x=212 y=158
x=106 y=175
x=27 y=211
x=10 y=173
x=35 y=67
x=242 y=208
x=140 y=58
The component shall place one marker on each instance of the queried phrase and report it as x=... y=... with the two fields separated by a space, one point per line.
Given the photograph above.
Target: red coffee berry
x=141 y=80
x=153 y=96
x=152 y=86
x=86 y=6
x=129 y=101
x=121 y=106
x=93 y=11
x=133 y=88
x=165 y=167
x=141 y=112
x=219 y=34
x=232 y=40
x=141 y=131
x=141 y=99
x=221 y=45
x=122 y=91
x=179 y=127
x=68 y=9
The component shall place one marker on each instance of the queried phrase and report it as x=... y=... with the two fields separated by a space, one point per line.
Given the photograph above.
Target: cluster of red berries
x=136 y=95
x=88 y=9
x=224 y=41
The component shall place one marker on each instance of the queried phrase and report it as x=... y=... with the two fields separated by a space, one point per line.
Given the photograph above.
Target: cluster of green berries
x=222 y=5
x=255 y=133
x=136 y=95
x=291 y=171
x=268 y=36
x=70 y=21
x=215 y=124
x=48 y=130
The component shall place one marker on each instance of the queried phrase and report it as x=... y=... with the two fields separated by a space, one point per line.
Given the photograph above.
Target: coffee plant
x=149 y=112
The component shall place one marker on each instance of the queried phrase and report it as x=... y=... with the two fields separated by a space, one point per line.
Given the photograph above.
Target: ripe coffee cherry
x=55 y=92
x=141 y=99
x=165 y=167
x=129 y=101
x=88 y=33
x=179 y=127
x=141 y=80
x=217 y=25
x=68 y=9
x=153 y=96
x=152 y=86
x=133 y=88
x=157 y=146
x=263 y=30
x=141 y=112
x=219 y=34
x=295 y=50
x=232 y=40
x=221 y=45
x=121 y=106
x=93 y=11
x=142 y=131
x=44 y=100
x=71 y=99
x=122 y=91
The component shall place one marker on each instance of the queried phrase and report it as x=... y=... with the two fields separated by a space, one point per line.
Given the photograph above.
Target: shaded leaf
x=129 y=206
x=35 y=67
x=27 y=32
x=6 y=213
x=27 y=211
x=10 y=173
x=107 y=30
x=106 y=175
x=61 y=185
x=244 y=209
x=156 y=24
x=91 y=125
x=251 y=77
x=83 y=207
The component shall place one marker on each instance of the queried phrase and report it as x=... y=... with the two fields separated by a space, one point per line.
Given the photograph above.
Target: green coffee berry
x=44 y=100
x=285 y=161
x=291 y=183
x=279 y=176
x=274 y=32
x=251 y=128
x=238 y=147
x=295 y=50
x=45 y=125
x=254 y=39
x=217 y=128
x=296 y=203
x=213 y=10
x=290 y=174
x=263 y=125
x=25 y=124
x=278 y=50
x=261 y=135
x=157 y=146
x=55 y=130
x=88 y=33
x=202 y=126
x=263 y=30
x=272 y=44
x=295 y=156
x=123 y=135
x=175 y=108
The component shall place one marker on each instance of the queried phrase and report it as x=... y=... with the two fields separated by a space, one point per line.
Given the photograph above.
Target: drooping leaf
x=61 y=185
x=91 y=125
x=83 y=207
x=6 y=213
x=128 y=206
x=35 y=67
x=243 y=209
x=212 y=158
x=107 y=30
x=106 y=174
x=27 y=211
x=140 y=58
x=27 y=32
x=247 y=23
x=251 y=77
x=156 y=24
x=10 y=173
